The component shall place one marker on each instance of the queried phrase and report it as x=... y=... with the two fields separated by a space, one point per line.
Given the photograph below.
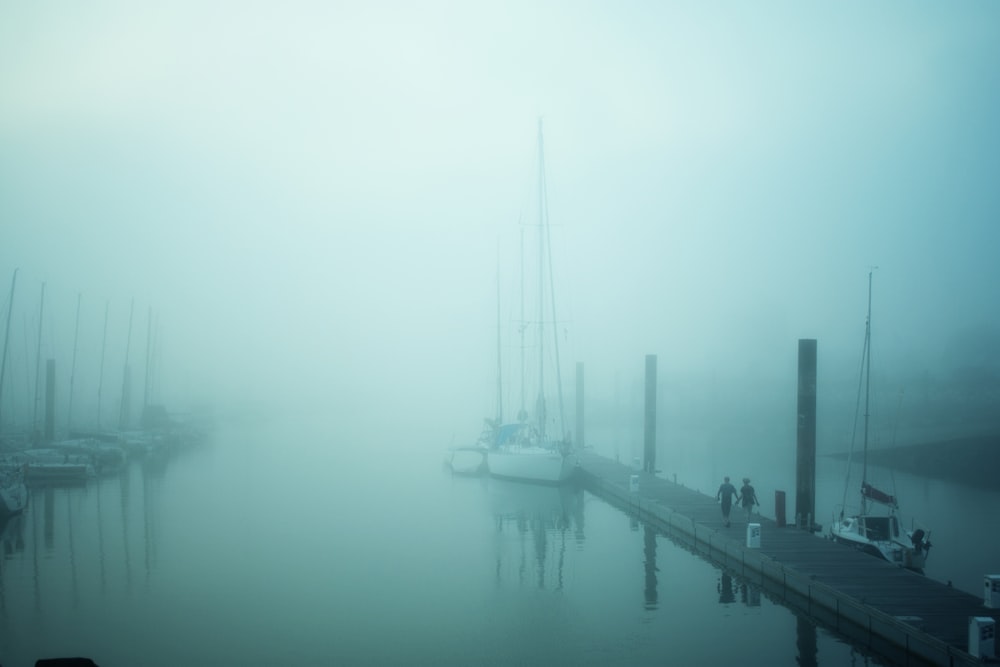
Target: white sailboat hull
x=539 y=465
x=889 y=547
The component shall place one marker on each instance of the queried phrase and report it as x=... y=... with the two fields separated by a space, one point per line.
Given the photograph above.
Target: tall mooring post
x=649 y=450
x=805 y=451
x=50 y=400
x=579 y=440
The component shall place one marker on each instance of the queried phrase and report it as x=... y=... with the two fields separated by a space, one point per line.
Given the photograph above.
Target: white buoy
x=753 y=536
x=991 y=591
x=982 y=637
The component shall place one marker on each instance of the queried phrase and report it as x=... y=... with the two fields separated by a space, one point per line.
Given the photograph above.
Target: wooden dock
x=900 y=615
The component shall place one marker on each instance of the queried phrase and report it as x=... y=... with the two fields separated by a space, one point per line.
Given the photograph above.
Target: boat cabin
x=874 y=528
x=880 y=528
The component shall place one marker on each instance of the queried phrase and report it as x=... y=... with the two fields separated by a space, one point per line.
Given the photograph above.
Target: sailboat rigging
x=525 y=450
x=872 y=531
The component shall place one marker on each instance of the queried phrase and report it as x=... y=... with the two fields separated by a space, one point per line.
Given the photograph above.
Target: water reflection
x=749 y=595
x=725 y=588
x=534 y=525
x=806 y=644
x=649 y=552
x=65 y=530
x=11 y=542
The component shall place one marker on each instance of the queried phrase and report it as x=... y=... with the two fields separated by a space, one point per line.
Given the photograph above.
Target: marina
x=469 y=569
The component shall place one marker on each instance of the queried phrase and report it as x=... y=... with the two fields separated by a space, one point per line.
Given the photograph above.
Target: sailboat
x=875 y=529
x=13 y=492
x=527 y=450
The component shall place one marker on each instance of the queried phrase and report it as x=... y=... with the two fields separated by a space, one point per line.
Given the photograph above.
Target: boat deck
x=898 y=614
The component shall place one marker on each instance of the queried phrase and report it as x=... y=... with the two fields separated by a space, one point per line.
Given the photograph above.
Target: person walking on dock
x=748 y=497
x=726 y=494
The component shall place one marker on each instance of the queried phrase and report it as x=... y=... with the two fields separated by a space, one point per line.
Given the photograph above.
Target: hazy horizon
x=312 y=199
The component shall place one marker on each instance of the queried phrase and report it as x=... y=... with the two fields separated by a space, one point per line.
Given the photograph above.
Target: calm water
x=276 y=546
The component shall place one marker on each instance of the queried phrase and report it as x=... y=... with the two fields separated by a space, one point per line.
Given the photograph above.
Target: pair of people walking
x=746 y=496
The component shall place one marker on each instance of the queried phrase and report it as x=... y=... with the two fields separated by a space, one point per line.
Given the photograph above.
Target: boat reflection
x=534 y=526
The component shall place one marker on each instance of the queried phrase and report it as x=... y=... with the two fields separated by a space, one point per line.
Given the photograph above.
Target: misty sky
x=313 y=195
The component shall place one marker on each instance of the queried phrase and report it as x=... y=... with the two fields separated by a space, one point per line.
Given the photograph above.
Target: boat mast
x=38 y=365
x=6 y=340
x=540 y=405
x=123 y=411
x=100 y=376
x=552 y=297
x=72 y=368
x=499 y=361
x=868 y=373
x=522 y=414
x=149 y=356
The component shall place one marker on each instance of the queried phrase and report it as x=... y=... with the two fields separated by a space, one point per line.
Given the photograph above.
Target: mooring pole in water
x=50 y=400
x=805 y=458
x=649 y=451
x=579 y=441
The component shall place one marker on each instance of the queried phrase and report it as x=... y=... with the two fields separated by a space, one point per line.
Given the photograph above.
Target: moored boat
x=875 y=529
x=528 y=450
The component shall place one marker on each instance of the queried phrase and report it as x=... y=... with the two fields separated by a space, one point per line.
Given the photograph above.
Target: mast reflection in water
x=242 y=554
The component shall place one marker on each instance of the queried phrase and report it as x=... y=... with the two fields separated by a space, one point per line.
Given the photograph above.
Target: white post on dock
x=753 y=536
x=991 y=592
x=982 y=637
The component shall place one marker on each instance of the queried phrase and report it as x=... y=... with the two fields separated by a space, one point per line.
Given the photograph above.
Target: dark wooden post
x=805 y=459
x=649 y=452
x=50 y=400
x=579 y=440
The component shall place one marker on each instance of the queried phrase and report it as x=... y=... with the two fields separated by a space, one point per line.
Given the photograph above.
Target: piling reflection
x=106 y=528
x=649 y=560
x=806 y=644
x=728 y=585
x=534 y=527
x=749 y=595
x=725 y=587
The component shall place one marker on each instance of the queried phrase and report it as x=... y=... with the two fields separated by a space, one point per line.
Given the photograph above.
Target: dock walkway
x=898 y=614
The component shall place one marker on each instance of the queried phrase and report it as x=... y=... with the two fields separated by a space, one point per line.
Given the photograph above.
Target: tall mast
x=123 y=412
x=499 y=362
x=6 y=340
x=868 y=372
x=149 y=338
x=522 y=414
x=540 y=406
x=555 y=319
x=72 y=368
x=100 y=376
x=38 y=361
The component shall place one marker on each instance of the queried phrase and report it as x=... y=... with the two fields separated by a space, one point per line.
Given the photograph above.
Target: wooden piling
x=805 y=450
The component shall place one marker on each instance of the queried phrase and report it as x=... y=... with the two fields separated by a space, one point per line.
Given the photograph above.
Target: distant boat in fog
x=878 y=532
x=526 y=450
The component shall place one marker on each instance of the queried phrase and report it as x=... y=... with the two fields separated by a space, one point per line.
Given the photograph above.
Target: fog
x=306 y=204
